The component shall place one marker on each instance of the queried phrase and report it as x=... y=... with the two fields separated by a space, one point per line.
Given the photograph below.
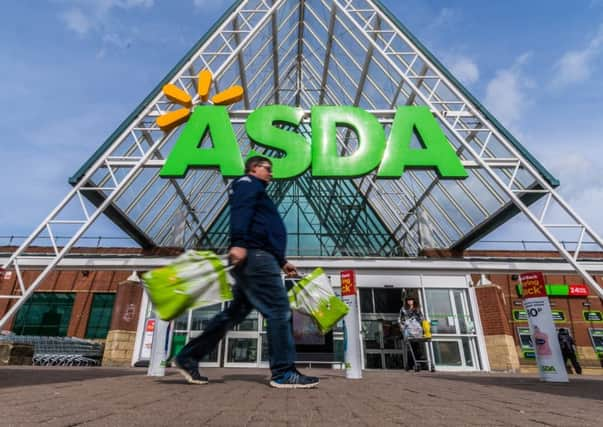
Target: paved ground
x=241 y=397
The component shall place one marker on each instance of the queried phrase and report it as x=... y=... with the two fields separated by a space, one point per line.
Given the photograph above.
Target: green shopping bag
x=314 y=296
x=194 y=279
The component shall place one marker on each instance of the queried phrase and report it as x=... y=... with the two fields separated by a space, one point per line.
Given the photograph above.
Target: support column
x=502 y=354
x=119 y=346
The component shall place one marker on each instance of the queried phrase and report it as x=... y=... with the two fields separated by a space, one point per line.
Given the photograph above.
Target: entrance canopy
x=304 y=53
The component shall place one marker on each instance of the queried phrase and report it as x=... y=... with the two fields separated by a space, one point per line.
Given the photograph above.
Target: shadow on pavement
x=587 y=388
x=19 y=377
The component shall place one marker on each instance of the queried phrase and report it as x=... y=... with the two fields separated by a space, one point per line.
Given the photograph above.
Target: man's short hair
x=254 y=161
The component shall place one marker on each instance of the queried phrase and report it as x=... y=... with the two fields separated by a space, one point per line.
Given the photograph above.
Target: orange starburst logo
x=170 y=120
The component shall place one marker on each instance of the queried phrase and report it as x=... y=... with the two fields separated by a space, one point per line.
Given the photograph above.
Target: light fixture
x=483 y=281
x=586 y=304
x=517 y=302
x=133 y=277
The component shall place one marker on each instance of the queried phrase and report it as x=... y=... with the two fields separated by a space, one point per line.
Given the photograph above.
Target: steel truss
x=305 y=53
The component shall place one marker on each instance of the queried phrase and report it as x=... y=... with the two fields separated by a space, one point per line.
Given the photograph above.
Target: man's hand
x=237 y=255
x=290 y=269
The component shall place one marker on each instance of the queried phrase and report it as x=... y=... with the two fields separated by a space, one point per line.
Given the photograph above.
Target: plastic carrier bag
x=194 y=279
x=314 y=296
x=413 y=329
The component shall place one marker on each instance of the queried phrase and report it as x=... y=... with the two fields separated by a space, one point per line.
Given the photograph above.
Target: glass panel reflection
x=440 y=312
x=202 y=316
x=265 y=356
x=242 y=350
x=371 y=334
x=392 y=338
x=467 y=351
x=250 y=323
x=394 y=361
x=447 y=353
x=373 y=361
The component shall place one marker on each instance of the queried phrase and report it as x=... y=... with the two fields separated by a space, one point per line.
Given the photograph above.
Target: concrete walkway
x=241 y=397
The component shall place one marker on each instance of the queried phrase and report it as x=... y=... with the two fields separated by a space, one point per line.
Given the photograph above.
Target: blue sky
x=72 y=70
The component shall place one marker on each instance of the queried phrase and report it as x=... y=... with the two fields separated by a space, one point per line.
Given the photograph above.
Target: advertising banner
x=544 y=335
x=353 y=346
x=147 y=339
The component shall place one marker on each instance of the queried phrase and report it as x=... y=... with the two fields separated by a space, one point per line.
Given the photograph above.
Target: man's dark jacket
x=254 y=220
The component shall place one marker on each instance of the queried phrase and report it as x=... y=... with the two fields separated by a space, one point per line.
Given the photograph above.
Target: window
x=100 y=315
x=45 y=314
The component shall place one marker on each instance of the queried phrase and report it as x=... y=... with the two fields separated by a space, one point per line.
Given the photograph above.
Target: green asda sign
x=390 y=157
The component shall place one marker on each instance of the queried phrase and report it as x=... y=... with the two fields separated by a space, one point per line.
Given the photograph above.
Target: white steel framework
x=305 y=53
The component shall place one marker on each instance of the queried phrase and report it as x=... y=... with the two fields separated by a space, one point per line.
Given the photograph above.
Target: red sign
x=532 y=285
x=578 y=290
x=150 y=325
x=348 y=283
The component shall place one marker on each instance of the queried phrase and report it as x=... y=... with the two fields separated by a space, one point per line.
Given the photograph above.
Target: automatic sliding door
x=452 y=327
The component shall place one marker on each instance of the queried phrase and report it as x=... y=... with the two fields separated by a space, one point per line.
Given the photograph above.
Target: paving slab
x=57 y=396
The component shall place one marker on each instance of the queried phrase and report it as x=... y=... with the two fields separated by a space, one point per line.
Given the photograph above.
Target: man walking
x=258 y=241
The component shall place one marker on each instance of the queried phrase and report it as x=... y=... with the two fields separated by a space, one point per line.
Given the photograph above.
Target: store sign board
x=596 y=336
x=522 y=316
x=391 y=156
x=592 y=315
x=578 y=290
x=348 y=283
x=544 y=335
x=561 y=290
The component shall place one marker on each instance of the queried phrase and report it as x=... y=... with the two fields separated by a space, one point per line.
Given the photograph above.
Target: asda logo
x=267 y=127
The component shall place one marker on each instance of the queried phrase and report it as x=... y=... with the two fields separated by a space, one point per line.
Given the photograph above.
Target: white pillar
x=353 y=344
x=159 y=349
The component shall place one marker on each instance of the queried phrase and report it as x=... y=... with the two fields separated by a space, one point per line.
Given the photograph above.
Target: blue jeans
x=258 y=285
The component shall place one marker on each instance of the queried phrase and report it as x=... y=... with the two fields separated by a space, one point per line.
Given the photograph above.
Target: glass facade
x=45 y=314
x=454 y=337
x=100 y=315
x=453 y=328
x=324 y=217
x=453 y=345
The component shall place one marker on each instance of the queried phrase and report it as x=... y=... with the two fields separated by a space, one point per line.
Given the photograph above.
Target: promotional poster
x=544 y=335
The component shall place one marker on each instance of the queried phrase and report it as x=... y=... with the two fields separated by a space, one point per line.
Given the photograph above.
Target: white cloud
x=464 y=69
x=209 y=4
x=93 y=15
x=577 y=65
x=76 y=21
x=506 y=92
x=445 y=17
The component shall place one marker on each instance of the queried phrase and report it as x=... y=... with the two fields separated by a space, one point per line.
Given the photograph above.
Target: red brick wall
x=571 y=306
x=492 y=310
x=83 y=283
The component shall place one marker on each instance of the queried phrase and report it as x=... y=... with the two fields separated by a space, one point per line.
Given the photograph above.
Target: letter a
x=187 y=153
x=436 y=152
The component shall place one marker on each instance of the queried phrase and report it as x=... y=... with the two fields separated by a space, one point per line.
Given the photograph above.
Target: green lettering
x=326 y=161
x=436 y=152
x=187 y=153
x=261 y=130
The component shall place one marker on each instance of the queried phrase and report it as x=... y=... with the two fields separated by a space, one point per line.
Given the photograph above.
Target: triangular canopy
x=307 y=53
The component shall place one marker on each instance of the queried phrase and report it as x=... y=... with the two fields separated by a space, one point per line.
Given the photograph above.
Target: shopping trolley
x=412 y=336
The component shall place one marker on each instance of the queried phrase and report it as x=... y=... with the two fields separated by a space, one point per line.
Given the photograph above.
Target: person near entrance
x=258 y=240
x=410 y=319
x=568 y=345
